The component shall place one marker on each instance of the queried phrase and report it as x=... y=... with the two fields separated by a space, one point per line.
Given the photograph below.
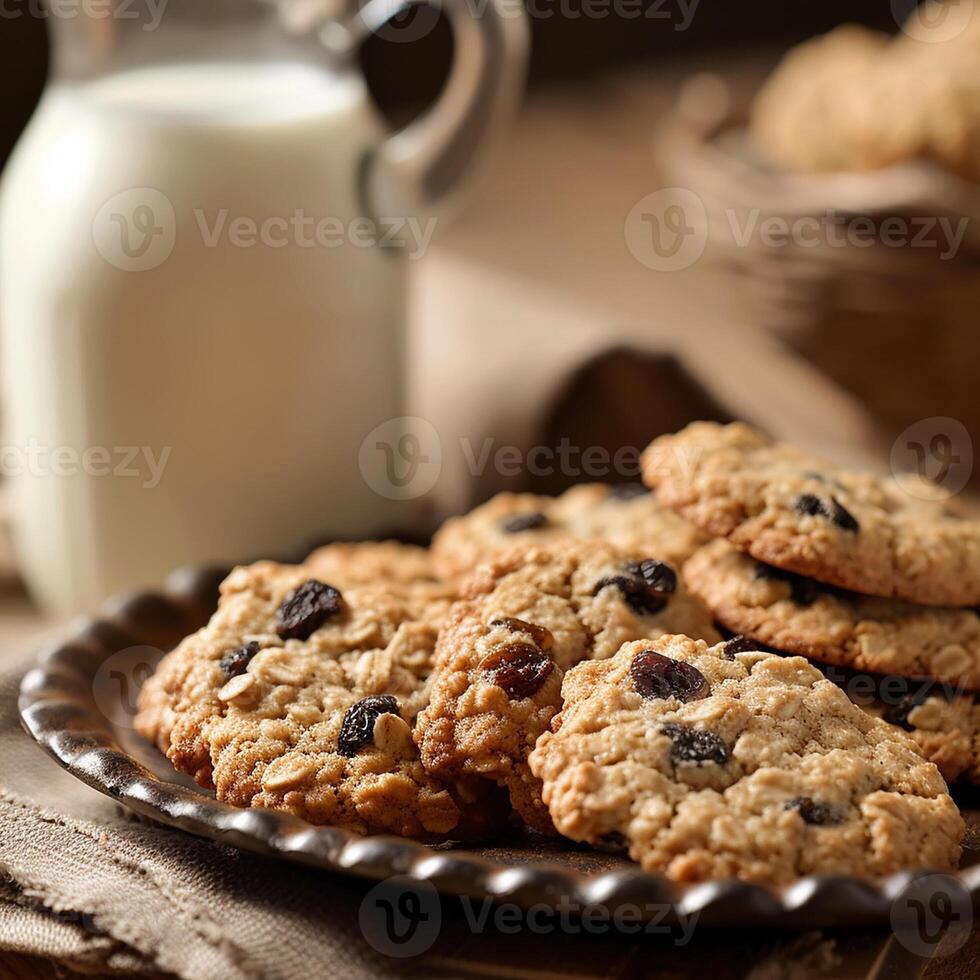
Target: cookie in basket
x=525 y=618
x=856 y=100
x=712 y=762
x=800 y=513
x=812 y=114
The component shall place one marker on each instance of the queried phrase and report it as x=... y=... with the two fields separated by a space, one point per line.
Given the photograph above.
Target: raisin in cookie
x=626 y=516
x=712 y=762
x=300 y=696
x=405 y=570
x=793 y=510
x=800 y=615
x=525 y=618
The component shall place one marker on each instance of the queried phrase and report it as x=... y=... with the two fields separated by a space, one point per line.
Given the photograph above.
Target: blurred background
x=544 y=323
x=572 y=49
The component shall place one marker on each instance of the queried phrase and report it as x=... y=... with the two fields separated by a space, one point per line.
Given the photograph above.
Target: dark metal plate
x=78 y=705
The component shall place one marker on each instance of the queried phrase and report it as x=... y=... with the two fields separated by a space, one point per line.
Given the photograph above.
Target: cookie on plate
x=800 y=615
x=370 y=562
x=945 y=728
x=800 y=513
x=944 y=724
x=712 y=762
x=299 y=696
x=626 y=515
x=523 y=619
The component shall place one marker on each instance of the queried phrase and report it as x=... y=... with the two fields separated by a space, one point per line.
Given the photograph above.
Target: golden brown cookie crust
x=371 y=562
x=268 y=735
x=767 y=773
x=471 y=726
x=635 y=522
x=796 y=511
x=947 y=732
x=884 y=636
x=944 y=726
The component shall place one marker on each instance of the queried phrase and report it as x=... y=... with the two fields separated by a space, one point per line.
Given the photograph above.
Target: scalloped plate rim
x=46 y=688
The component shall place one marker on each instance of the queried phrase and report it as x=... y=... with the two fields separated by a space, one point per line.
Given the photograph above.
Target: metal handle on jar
x=424 y=165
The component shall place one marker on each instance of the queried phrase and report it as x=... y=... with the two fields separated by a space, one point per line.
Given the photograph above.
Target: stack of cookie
x=544 y=665
x=875 y=579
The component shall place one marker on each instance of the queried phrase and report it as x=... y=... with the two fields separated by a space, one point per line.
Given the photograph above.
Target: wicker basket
x=896 y=324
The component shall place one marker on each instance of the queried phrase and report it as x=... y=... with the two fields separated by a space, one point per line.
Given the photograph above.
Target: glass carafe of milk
x=204 y=238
